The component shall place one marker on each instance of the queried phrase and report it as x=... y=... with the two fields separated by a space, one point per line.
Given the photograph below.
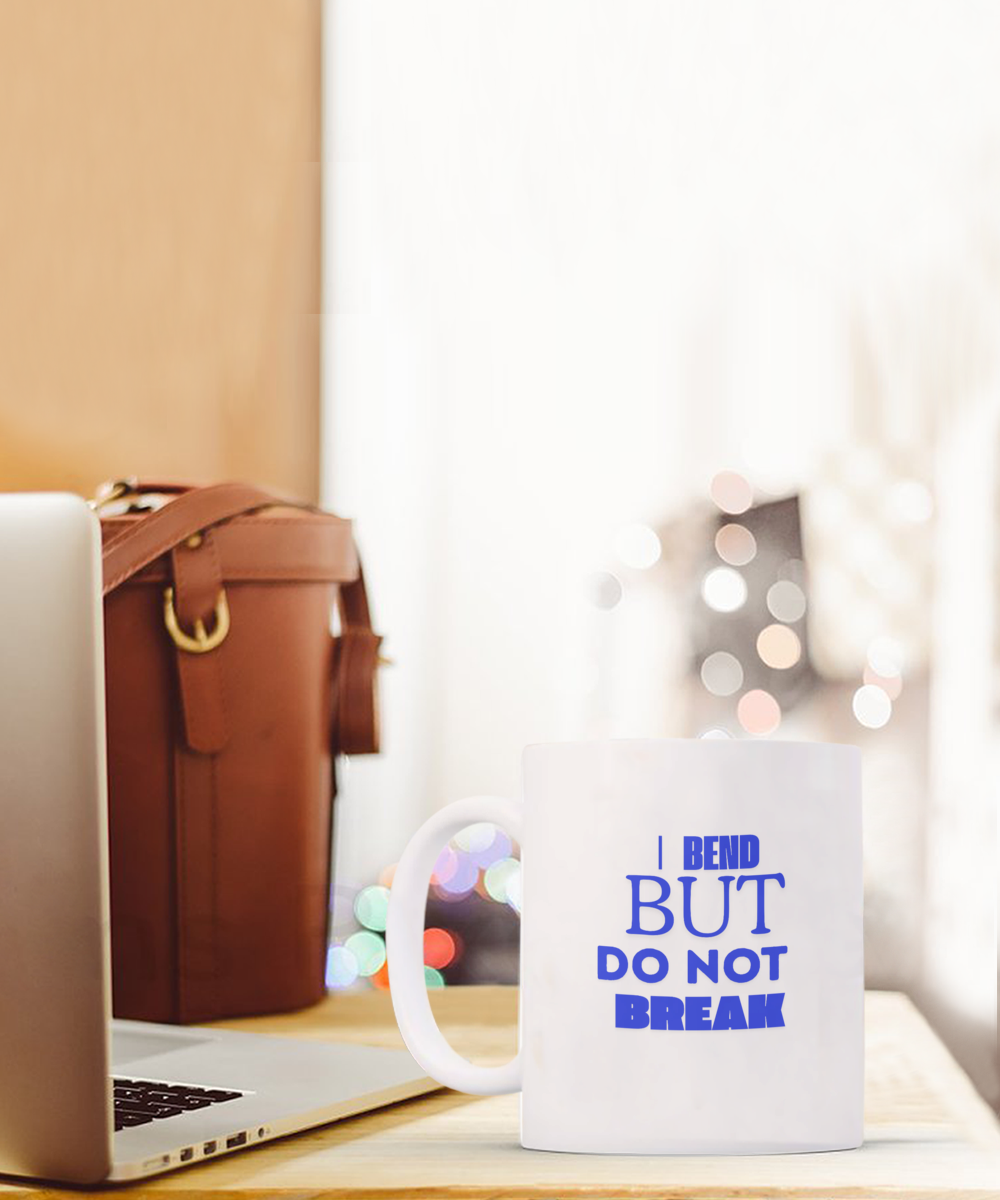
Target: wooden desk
x=928 y=1134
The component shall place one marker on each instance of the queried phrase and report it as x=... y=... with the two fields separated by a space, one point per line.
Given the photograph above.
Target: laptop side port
x=237 y=1139
x=187 y=1154
x=210 y=1147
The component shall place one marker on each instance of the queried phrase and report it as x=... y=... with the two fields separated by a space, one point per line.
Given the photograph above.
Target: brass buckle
x=111 y=490
x=202 y=642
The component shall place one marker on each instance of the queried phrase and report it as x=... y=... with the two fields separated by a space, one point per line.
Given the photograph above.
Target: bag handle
x=188 y=513
x=354 y=722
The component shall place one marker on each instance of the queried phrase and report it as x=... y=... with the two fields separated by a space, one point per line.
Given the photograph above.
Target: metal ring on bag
x=202 y=641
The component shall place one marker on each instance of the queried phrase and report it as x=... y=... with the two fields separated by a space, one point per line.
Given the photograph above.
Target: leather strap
x=355 y=710
x=277 y=545
x=355 y=659
x=188 y=513
x=197 y=584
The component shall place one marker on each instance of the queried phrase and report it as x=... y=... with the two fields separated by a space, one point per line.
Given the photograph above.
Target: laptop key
x=139 y=1101
x=124 y=1120
x=177 y=1100
x=149 y=1110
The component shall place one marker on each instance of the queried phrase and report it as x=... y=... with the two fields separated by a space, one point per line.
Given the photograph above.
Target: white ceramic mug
x=692 y=973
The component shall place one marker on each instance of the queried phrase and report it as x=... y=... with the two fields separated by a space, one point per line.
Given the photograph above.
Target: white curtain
x=582 y=254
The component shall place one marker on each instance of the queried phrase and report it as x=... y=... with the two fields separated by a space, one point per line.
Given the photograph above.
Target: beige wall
x=159 y=241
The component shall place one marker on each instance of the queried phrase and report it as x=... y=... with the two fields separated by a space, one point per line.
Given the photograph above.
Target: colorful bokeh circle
x=369 y=951
x=371 y=907
x=439 y=948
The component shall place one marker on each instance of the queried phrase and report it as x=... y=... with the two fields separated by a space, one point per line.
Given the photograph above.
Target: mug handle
x=405 y=947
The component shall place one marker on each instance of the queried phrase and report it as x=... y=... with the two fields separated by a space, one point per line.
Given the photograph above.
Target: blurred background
x=654 y=347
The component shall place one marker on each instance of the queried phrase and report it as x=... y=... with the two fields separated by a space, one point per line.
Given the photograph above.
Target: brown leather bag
x=227 y=698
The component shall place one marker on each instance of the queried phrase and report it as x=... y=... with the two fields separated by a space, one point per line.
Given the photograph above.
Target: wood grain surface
x=928 y=1134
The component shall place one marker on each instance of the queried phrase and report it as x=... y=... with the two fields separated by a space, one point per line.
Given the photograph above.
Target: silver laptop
x=83 y=1098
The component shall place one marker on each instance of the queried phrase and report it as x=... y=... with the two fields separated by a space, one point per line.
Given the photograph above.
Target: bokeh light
x=758 y=712
x=779 y=647
x=721 y=673
x=341 y=967
x=497 y=877
x=637 y=546
x=885 y=656
x=872 y=706
x=439 y=947
x=731 y=492
x=604 y=590
x=724 y=589
x=736 y=545
x=368 y=950
x=371 y=907
x=786 y=601
x=445 y=866
x=499 y=847
x=480 y=858
x=514 y=890
x=475 y=837
x=461 y=881
x=715 y=735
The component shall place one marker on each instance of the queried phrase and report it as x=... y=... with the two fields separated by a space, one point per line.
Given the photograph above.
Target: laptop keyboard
x=139 y=1101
